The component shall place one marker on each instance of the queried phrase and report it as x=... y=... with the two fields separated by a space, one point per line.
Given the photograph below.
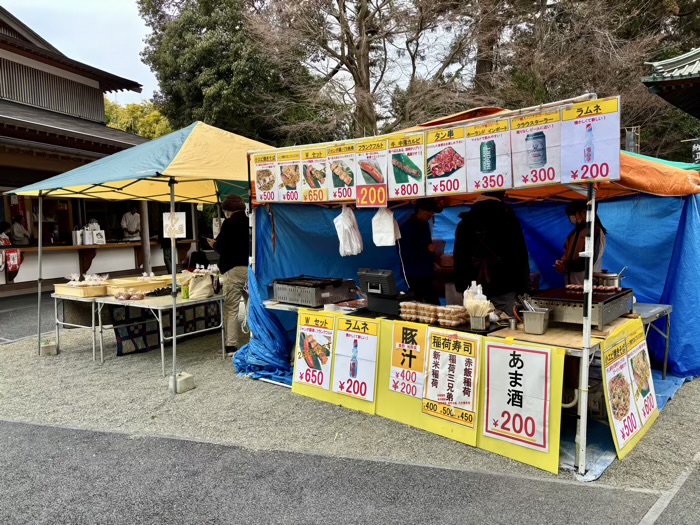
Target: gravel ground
x=128 y=394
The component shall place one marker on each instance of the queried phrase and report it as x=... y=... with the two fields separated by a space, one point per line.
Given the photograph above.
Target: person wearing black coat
x=490 y=249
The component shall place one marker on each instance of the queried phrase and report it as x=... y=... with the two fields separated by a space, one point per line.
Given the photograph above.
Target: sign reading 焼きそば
x=355 y=368
x=265 y=167
x=488 y=157
x=408 y=359
x=451 y=376
x=517 y=401
x=314 y=349
x=536 y=149
x=590 y=141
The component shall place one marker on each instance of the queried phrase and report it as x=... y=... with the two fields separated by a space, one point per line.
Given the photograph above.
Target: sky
x=106 y=34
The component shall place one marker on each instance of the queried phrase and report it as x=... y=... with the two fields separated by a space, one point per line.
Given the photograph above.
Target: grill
x=567 y=306
x=313 y=291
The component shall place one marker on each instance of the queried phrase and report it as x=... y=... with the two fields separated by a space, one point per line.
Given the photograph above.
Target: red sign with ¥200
x=371 y=196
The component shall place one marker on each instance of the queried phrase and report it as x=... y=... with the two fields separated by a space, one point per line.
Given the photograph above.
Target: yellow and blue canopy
x=203 y=162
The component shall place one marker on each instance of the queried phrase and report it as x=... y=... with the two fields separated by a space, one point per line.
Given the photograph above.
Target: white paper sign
x=342 y=172
x=536 y=149
x=314 y=350
x=488 y=157
x=355 y=369
x=446 y=166
x=174 y=225
x=265 y=166
x=517 y=394
x=406 y=172
x=642 y=382
x=289 y=176
x=590 y=142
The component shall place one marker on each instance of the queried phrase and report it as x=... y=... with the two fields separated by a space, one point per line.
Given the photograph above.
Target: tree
x=140 y=119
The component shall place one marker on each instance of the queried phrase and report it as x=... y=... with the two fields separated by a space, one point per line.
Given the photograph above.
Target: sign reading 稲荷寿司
x=590 y=141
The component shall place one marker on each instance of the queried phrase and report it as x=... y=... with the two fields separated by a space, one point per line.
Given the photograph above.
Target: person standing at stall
x=490 y=249
x=417 y=251
x=18 y=233
x=232 y=246
x=131 y=224
x=571 y=263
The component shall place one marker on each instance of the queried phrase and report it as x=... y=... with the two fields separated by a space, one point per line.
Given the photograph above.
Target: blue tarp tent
x=657 y=237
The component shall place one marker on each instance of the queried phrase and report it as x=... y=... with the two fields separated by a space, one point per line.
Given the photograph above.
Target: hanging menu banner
x=488 y=157
x=407 y=166
x=518 y=381
x=289 y=176
x=408 y=359
x=314 y=174
x=355 y=368
x=265 y=177
x=536 y=149
x=342 y=172
x=314 y=350
x=446 y=171
x=590 y=141
x=452 y=371
x=371 y=186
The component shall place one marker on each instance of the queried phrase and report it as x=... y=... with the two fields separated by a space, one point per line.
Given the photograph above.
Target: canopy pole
x=40 y=220
x=173 y=292
x=589 y=253
x=251 y=220
x=145 y=237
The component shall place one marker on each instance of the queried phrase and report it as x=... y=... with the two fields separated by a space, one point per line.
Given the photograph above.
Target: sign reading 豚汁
x=518 y=379
x=590 y=141
x=408 y=359
x=451 y=381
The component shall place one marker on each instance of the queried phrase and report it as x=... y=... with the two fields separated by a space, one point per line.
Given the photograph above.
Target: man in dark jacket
x=490 y=249
x=232 y=246
x=418 y=251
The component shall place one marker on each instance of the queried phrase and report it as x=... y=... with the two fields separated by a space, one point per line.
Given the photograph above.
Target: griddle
x=576 y=296
x=566 y=306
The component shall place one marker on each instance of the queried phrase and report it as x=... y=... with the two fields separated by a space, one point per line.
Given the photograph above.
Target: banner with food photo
x=314 y=349
x=407 y=165
x=623 y=415
x=289 y=176
x=372 y=163
x=446 y=171
x=536 y=149
x=355 y=368
x=342 y=172
x=640 y=367
x=265 y=169
x=488 y=157
x=314 y=174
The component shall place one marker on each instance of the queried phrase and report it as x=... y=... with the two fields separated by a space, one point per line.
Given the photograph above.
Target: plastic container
x=536 y=322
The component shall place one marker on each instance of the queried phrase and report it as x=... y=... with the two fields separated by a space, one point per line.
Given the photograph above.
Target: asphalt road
x=18 y=316
x=53 y=475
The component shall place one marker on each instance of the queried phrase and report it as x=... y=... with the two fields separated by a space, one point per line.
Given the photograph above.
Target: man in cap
x=232 y=246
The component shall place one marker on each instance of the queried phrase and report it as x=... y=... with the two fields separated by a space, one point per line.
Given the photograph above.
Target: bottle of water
x=588 y=146
x=353 y=360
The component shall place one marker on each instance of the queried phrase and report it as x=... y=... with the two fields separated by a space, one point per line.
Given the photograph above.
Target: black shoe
x=230 y=350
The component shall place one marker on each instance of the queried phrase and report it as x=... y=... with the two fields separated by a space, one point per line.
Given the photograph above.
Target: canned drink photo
x=536 y=147
x=487 y=155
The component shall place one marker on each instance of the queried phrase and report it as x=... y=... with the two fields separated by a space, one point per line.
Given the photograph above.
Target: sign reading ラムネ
x=452 y=371
x=517 y=394
x=590 y=141
x=355 y=368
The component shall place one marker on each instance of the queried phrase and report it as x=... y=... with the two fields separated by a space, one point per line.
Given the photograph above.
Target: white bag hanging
x=348 y=233
x=385 y=229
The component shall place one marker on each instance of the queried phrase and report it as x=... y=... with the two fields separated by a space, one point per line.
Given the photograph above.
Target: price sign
x=406 y=178
x=371 y=196
x=342 y=172
x=355 y=369
x=536 y=149
x=446 y=171
x=488 y=157
x=265 y=169
x=314 y=349
x=408 y=359
x=452 y=371
x=622 y=409
x=517 y=394
x=314 y=176
x=640 y=371
x=590 y=143
x=289 y=176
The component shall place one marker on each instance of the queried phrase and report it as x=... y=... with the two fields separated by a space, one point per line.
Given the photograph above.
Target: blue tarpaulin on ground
x=657 y=237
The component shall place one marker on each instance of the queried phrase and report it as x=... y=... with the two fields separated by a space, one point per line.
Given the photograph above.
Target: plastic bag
x=348 y=233
x=201 y=287
x=385 y=229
